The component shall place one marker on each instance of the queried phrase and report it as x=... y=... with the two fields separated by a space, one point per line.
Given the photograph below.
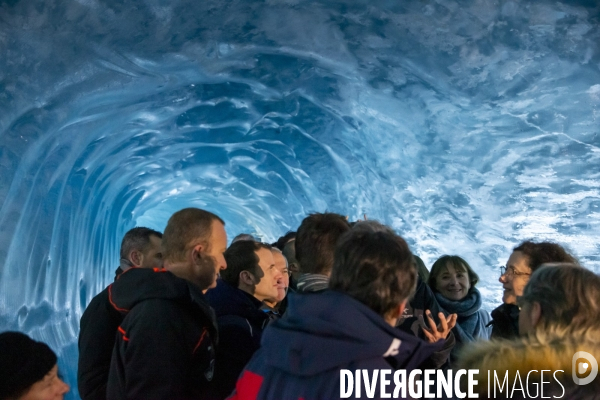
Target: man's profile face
x=267 y=284
x=211 y=260
x=152 y=256
x=284 y=282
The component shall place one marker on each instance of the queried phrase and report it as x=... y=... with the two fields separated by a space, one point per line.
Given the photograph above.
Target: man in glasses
x=524 y=260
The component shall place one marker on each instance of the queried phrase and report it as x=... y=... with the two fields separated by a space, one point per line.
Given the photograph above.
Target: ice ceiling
x=468 y=126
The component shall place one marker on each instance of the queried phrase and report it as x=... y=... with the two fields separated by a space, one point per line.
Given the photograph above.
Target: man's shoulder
x=98 y=309
x=160 y=308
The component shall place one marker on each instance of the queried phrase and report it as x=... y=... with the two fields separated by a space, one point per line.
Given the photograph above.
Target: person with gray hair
x=140 y=248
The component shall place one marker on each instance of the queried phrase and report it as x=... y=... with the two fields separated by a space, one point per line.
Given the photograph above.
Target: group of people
x=188 y=317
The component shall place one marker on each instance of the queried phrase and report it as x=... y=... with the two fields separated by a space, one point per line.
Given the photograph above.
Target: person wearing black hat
x=29 y=370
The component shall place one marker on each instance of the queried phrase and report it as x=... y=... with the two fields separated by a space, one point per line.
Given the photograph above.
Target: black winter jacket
x=505 y=322
x=165 y=348
x=97 y=329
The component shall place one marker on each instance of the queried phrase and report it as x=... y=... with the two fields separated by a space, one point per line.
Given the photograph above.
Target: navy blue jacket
x=241 y=323
x=303 y=352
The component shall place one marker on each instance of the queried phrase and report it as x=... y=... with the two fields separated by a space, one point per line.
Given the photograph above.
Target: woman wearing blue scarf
x=453 y=282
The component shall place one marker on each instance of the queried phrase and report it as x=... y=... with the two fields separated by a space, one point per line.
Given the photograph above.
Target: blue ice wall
x=467 y=126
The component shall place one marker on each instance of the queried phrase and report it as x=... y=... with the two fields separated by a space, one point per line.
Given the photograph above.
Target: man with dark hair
x=285 y=239
x=422 y=304
x=350 y=326
x=251 y=277
x=140 y=248
x=315 y=244
x=165 y=346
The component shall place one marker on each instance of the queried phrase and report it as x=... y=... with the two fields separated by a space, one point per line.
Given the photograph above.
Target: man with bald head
x=165 y=348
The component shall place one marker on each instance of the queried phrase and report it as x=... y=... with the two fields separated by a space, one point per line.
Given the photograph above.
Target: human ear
x=535 y=313
x=136 y=257
x=247 y=278
x=196 y=252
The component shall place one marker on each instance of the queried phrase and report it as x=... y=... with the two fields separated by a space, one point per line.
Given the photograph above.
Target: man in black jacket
x=251 y=277
x=141 y=248
x=165 y=348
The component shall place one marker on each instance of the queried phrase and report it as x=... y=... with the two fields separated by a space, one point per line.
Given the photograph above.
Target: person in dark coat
x=140 y=248
x=165 y=348
x=28 y=369
x=421 y=309
x=350 y=326
x=524 y=260
x=250 y=278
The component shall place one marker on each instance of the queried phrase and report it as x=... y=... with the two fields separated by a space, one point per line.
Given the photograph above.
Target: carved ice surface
x=468 y=126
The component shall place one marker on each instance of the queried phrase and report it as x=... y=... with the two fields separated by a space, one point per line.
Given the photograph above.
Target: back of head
x=543 y=253
x=241 y=256
x=282 y=241
x=137 y=238
x=375 y=268
x=244 y=236
x=186 y=228
x=316 y=240
x=569 y=296
x=289 y=252
x=23 y=362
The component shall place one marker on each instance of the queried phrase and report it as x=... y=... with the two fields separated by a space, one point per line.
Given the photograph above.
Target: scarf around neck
x=469 y=324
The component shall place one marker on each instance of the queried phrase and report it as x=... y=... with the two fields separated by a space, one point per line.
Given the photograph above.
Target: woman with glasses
x=453 y=281
x=558 y=350
x=524 y=260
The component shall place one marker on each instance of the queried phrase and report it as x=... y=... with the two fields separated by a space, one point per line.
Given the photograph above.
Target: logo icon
x=581 y=368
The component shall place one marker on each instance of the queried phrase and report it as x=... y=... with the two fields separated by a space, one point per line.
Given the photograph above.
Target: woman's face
x=50 y=387
x=452 y=284
x=516 y=277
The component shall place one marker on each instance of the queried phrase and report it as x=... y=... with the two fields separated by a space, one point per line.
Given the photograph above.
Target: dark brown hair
x=544 y=252
x=316 y=239
x=458 y=263
x=241 y=256
x=375 y=268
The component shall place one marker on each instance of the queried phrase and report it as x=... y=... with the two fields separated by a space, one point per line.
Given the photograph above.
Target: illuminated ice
x=467 y=126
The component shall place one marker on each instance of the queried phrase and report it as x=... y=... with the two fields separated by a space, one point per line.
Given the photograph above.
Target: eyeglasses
x=511 y=271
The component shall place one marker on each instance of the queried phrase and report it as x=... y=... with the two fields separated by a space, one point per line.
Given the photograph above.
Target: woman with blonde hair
x=559 y=329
